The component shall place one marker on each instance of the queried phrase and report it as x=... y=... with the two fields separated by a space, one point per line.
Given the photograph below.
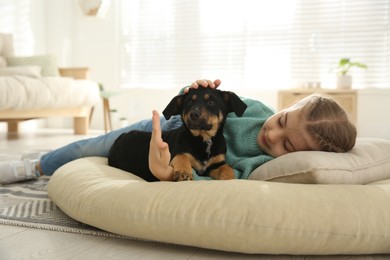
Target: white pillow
x=367 y=162
x=3 y=62
x=6 y=45
x=1 y=44
x=30 y=71
x=48 y=63
x=236 y=215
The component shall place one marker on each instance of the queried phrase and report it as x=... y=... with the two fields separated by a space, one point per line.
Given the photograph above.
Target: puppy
x=198 y=144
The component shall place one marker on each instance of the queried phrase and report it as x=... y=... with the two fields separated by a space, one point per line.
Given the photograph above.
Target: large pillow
x=6 y=45
x=367 y=162
x=30 y=71
x=48 y=63
x=236 y=215
x=1 y=45
x=3 y=62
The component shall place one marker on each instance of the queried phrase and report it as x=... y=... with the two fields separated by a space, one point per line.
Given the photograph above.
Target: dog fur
x=198 y=144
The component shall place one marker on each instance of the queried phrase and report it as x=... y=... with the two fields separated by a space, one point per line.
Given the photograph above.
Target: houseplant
x=344 y=79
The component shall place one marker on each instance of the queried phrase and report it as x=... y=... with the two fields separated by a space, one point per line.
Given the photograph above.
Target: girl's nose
x=274 y=135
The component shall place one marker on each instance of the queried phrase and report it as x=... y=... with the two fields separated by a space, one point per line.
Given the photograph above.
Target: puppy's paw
x=224 y=172
x=182 y=176
x=227 y=175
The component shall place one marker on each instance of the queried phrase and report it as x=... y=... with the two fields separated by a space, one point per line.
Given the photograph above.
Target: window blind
x=15 y=16
x=253 y=44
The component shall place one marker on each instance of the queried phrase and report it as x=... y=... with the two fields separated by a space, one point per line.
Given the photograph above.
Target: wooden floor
x=25 y=243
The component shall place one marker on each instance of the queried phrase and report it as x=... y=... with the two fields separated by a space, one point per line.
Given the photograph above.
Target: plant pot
x=123 y=122
x=344 y=81
x=114 y=119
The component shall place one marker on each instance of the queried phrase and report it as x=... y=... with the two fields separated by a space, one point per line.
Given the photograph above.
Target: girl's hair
x=328 y=123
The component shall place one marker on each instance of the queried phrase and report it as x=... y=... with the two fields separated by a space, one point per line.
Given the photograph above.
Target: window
x=253 y=44
x=15 y=19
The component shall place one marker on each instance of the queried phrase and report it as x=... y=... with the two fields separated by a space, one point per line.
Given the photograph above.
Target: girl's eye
x=280 y=122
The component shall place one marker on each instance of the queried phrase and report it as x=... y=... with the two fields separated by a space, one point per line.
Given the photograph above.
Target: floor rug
x=27 y=204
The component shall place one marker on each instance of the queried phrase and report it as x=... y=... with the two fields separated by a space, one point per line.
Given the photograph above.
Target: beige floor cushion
x=247 y=216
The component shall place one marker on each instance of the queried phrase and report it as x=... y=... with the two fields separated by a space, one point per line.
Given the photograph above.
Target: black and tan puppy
x=198 y=144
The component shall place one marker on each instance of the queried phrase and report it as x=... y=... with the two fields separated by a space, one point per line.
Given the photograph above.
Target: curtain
x=253 y=44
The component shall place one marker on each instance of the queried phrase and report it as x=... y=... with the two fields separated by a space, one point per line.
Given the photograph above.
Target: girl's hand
x=159 y=155
x=203 y=83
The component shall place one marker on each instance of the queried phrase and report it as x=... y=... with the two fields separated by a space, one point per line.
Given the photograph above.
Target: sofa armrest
x=76 y=73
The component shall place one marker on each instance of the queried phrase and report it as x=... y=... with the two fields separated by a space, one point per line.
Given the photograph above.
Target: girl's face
x=285 y=132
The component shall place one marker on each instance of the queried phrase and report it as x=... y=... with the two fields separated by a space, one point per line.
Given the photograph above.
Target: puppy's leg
x=223 y=172
x=182 y=170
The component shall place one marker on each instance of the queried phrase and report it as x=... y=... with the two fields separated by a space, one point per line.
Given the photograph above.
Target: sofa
x=302 y=203
x=34 y=87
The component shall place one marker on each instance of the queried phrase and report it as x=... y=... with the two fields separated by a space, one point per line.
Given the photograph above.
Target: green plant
x=345 y=64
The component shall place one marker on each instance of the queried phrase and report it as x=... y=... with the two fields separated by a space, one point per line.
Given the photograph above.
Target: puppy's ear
x=234 y=103
x=175 y=107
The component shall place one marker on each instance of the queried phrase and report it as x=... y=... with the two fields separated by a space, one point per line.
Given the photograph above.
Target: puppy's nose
x=194 y=114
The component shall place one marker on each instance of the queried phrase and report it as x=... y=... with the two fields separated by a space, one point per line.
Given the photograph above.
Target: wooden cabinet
x=76 y=73
x=346 y=98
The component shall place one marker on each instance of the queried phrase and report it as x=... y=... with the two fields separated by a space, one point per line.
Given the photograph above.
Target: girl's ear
x=175 y=107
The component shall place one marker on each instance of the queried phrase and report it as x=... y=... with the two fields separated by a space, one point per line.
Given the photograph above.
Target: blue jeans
x=98 y=146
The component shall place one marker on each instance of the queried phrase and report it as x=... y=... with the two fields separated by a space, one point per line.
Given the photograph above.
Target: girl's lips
x=263 y=139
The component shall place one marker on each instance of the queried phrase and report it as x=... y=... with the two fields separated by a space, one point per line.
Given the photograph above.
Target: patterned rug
x=27 y=204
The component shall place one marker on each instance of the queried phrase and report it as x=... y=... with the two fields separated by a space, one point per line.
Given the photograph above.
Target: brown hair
x=328 y=123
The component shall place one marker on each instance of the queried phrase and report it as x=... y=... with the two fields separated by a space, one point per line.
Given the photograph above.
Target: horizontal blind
x=15 y=16
x=253 y=44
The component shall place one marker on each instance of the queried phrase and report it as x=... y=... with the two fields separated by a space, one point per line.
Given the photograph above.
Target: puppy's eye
x=211 y=103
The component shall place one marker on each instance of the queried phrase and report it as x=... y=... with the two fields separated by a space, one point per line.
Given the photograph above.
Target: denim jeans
x=98 y=146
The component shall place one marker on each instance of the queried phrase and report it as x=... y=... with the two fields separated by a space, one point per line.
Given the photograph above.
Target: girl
x=314 y=123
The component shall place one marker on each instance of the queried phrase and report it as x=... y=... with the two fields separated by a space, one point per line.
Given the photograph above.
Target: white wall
x=59 y=27
x=373 y=115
